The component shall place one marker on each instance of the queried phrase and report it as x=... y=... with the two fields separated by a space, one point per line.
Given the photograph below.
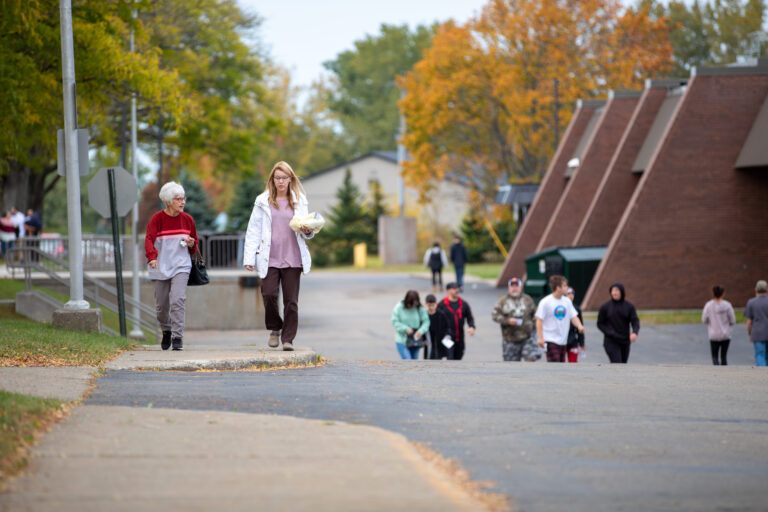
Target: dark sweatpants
x=289 y=278
x=618 y=351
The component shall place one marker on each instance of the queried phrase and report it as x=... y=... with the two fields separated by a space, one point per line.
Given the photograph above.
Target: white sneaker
x=274 y=339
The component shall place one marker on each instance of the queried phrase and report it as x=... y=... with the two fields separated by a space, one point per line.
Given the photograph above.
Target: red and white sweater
x=163 y=243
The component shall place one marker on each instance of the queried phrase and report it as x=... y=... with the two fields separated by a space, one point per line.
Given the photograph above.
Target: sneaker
x=177 y=344
x=166 y=343
x=288 y=346
x=274 y=339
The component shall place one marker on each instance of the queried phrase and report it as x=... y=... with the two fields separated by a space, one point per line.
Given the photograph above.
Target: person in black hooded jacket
x=614 y=321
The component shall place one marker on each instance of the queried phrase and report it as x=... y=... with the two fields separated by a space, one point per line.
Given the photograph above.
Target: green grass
x=21 y=417
x=680 y=317
x=374 y=264
x=10 y=287
x=24 y=342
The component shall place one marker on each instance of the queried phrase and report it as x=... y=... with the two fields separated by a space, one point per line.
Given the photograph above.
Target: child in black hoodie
x=614 y=321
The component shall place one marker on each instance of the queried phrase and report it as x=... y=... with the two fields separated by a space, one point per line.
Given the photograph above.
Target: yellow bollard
x=361 y=254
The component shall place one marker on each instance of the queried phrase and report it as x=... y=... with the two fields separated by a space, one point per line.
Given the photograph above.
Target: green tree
x=214 y=48
x=240 y=209
x=374 y=208
x=478 y=240
x=347 y=222
x=198 y=203
x=707 y=32
x=30 y=78
x=365 y=97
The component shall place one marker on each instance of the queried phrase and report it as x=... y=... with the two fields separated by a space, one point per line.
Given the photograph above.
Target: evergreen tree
x=239 y=211
x=347 y=221
x=198 y=204
x=478 y=241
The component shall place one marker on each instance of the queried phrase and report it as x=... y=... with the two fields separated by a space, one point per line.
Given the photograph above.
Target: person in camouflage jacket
x=514 y=311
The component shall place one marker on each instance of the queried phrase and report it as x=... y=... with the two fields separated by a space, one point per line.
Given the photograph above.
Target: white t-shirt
x=556 y=317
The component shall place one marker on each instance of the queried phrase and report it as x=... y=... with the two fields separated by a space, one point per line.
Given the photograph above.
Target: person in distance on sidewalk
x=614 y=320
x=719 y=316
x=554 y=318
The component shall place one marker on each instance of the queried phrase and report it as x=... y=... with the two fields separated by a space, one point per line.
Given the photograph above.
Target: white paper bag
x=447 y=342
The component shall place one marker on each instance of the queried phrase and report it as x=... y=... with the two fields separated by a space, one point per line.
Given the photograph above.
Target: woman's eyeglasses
x=282 y=178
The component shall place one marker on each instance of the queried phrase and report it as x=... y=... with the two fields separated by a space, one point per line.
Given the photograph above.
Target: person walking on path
x=7 y=233
x=411 y=321
x=459 y=259
x=439 y=328
x=435 y=259
x=575 y=343
x=170 y=241
x=514 y=311
x=18 y=222
x=614 y=320
x=277 y=253
x=756 y=314
x=719 y=316
x=554 y=317
x=33 y=223
x=458 y=312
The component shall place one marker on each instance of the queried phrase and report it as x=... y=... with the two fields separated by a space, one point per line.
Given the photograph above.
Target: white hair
x=169 y=191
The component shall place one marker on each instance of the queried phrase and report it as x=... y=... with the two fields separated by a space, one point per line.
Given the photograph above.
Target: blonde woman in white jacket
x=277 y=253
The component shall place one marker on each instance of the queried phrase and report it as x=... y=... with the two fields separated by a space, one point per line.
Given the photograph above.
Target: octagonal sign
x=126 y=192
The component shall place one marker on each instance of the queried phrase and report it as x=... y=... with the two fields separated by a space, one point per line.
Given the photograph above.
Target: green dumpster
x=577 y=264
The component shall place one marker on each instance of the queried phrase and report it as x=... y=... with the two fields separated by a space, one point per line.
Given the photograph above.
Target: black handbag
x=198 y=275
x=412 y=342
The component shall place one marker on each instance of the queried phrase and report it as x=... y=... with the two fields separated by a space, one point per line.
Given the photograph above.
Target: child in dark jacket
x=439 y=327
x=614 y=320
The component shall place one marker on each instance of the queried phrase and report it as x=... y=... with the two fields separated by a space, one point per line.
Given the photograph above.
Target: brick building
x=682 y=202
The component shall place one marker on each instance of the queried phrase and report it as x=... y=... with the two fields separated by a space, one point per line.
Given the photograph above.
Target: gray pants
x=170 y=297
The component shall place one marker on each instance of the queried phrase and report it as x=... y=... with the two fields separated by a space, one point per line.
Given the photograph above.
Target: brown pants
x=270 y=287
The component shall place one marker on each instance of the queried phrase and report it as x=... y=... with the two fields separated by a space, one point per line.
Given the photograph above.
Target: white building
x=446 y=207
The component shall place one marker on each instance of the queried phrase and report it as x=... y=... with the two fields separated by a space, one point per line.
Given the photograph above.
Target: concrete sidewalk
x=125 y=458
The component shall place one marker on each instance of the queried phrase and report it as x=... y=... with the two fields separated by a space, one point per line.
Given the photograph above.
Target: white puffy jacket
x=258 y=237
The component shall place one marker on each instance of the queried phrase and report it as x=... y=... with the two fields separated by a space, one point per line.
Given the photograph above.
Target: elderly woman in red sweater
x=171 y=239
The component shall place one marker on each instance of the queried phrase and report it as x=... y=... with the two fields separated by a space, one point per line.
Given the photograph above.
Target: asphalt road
x=566 y=437
x=667 y=432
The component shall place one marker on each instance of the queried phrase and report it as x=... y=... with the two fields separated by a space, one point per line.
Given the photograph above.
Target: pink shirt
x=284 y=248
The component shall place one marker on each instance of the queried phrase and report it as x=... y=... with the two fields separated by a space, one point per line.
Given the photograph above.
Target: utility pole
x=76 y=300
x=400 y=162
x=557 y=111
x=135 y=330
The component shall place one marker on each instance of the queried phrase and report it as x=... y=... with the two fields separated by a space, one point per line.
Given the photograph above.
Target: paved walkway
x=107 y=457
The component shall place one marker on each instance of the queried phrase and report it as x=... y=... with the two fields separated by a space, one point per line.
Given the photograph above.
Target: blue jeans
x=4 y=246
x=760 y=352
x=459 y=275
x=407 y=353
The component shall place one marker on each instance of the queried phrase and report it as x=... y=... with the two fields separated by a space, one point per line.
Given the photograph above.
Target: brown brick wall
x=619 y=181
x=546 y=199
x=581 y=187
x=694 y=220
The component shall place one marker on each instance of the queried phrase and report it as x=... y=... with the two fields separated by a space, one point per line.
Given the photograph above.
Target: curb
x=266 y=359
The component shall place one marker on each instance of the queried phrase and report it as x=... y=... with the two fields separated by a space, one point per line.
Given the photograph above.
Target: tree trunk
x=15 y=186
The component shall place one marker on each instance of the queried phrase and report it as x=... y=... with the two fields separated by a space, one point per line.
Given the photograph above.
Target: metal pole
x=557 y=111
x=76 y=300
x=117 y=251
x=135 y=330
x=400 y=162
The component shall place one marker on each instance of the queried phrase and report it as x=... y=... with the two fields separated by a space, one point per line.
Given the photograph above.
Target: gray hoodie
x=719 y=318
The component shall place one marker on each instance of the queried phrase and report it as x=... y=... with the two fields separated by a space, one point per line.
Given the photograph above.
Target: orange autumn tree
x=479 y=106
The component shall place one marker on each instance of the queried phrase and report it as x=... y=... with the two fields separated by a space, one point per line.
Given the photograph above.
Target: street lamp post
x=136 y=332
x=76 y=300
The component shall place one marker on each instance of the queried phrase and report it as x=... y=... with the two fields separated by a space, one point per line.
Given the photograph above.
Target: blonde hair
x=294 y=186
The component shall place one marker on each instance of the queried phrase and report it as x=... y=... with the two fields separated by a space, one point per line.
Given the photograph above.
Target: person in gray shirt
x=756 y=314
x=719 y=316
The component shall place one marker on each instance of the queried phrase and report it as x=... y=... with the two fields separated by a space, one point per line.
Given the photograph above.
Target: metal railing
x=221 y=251
x=30 y=258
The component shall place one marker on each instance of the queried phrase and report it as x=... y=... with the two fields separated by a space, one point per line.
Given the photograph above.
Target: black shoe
x=176 y=343
x=166 y=343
